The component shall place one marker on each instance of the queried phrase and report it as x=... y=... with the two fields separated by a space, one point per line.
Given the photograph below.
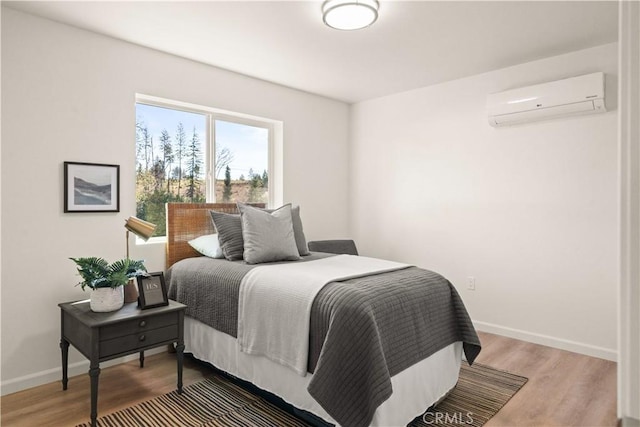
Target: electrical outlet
x=471 y=283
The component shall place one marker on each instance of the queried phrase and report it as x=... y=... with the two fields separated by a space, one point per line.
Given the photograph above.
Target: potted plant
x=107 y=280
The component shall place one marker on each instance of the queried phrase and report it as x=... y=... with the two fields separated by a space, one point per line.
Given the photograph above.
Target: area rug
x=480 y=393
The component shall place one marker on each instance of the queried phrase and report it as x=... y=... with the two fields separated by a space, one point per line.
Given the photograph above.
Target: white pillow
x=208 y=245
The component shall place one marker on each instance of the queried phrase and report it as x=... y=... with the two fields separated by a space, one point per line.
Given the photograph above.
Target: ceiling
x=413 y=43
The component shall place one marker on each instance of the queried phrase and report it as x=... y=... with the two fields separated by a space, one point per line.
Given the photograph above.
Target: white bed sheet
x=414 y=389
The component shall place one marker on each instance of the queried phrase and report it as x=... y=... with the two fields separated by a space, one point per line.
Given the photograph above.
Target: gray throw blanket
x=363 y=331
x=211 y=287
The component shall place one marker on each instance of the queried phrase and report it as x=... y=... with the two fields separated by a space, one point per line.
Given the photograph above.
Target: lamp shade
x=350 y=14
x=140 y=228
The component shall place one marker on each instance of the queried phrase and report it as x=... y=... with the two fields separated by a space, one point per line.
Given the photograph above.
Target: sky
x=248 y=144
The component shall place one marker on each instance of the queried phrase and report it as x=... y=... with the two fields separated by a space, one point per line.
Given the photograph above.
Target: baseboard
x=629 y=422
x=51 y=375
x=562 y=344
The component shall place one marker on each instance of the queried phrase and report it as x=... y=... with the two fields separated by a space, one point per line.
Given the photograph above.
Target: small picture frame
x=152 y=290
x=91 y=187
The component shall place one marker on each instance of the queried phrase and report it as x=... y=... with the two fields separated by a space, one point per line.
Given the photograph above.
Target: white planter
x=107 y=299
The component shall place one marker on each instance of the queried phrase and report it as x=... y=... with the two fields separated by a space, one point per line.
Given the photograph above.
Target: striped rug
x=216 y=401
x=480 y=393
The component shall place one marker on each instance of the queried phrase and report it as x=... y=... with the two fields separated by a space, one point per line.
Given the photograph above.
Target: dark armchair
x=334 y=246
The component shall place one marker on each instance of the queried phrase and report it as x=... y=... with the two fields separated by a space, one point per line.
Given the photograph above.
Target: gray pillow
x=301 y=240
x=229 y=228
x=268 y=237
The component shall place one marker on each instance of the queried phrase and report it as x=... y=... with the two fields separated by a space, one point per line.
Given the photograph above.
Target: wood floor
x=564 y=389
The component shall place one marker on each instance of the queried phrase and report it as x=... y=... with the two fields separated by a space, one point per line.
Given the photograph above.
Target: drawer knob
x=143 y=323
x=142 y=338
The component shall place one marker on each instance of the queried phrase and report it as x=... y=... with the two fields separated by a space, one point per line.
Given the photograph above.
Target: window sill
x=160 y=240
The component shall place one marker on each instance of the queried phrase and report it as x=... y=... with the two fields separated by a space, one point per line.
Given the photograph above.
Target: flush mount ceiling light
x=350 y=14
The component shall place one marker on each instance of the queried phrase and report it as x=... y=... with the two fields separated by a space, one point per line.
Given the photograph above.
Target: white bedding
x=414 y=389
x=275 y=304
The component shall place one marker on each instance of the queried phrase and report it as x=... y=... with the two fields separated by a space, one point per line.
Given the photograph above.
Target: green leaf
x=97 y=273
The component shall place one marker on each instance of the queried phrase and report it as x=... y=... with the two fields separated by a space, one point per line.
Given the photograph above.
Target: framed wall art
x=152 y=290
x=91 y=187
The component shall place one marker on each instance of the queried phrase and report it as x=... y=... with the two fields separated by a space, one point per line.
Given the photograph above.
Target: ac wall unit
x=575 y=95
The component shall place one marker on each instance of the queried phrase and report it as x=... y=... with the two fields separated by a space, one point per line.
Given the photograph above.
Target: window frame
x=225 y=117
x=273 y=127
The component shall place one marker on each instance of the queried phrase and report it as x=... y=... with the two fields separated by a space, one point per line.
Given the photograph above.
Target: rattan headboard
x=186 y=221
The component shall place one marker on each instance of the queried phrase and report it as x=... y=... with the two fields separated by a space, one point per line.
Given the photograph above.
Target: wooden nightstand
x=104 y=336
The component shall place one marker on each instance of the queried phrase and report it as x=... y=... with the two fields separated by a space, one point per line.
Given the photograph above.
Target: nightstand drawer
x=136 y=326
x=133 y=342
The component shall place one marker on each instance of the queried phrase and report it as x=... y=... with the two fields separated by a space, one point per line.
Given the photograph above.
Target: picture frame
x=152 y=291
x=91 y=187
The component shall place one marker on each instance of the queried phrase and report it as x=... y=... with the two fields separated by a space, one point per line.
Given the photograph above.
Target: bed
x=381 y=347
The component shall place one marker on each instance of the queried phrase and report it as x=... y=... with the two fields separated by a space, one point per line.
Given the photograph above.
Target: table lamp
x=144 y=230
x=140 y=228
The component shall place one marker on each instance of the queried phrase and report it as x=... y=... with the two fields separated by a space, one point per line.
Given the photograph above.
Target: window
x=242 y=158
x=193 y=154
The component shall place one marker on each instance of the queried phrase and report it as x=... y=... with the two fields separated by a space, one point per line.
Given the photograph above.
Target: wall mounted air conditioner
x=575 y=95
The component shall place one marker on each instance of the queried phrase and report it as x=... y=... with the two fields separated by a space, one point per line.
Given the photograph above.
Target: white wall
x=69 y=94
x=529 y=211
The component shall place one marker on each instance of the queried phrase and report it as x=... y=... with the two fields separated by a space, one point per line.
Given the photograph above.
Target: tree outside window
x=172 y=153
